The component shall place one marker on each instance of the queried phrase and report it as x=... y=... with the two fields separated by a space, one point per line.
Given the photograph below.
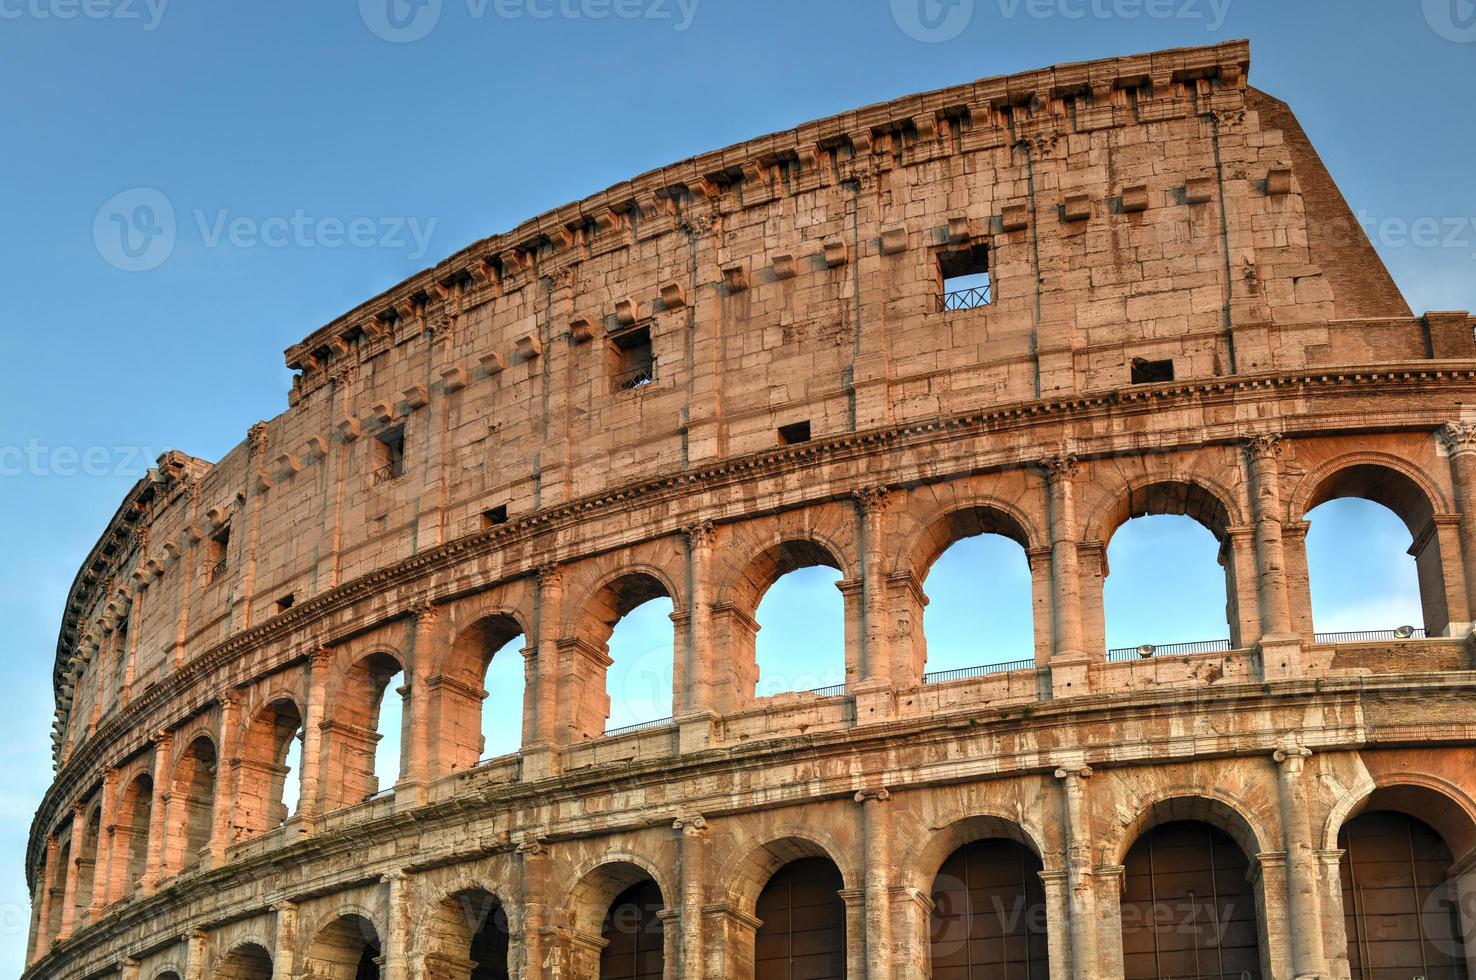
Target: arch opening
x=803 y=923
x=629 y=641
x=1373 y=553
x=87 y=883
x=980 y=598
x=989 y=913
x=478 y=696
x=470 y=937
x=249 y=961
x=1401 y=904
x=633 y=935
x=193 y=802
x=363 y=733
x=348 y=948
x=137 y=809
x=58 y=887
x=785 y=623
x=267 y=791
x=1169 y=539
x=1188 y=907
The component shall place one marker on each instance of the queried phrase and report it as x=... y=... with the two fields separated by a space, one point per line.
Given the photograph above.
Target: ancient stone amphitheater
x=1034 y=306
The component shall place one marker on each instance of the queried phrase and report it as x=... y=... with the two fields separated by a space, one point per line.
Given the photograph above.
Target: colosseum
x=748 y=363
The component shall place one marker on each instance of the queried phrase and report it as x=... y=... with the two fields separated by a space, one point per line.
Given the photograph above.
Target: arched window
x=785 y=628
x=136 y=810
x=1188 y=907
x=989 y=914
x=627 y=642
x=479 y=696
x=348 y=948
x=470 y=938
x=246 y=962
x=979 y=611
x=192 y=804
x=270 y=773
x=634 y=943
x=803 y=935
x=58 y=887
x=1401 y=908
x=87 y=870
x=1169 y=539
x=1373 y=554
x=362 y=732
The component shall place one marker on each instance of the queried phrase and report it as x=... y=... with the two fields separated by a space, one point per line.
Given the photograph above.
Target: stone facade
x=718 y=372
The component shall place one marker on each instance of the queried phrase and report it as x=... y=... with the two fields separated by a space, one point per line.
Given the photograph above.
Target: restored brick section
x=712 y=374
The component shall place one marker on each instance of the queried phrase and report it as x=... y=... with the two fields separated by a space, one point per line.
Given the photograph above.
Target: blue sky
x=310 y=162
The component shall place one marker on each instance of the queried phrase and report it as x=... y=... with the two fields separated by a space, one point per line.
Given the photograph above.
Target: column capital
x=424 y=611
x=1265 y=445
x=163 y=739
x=533 y=846
x=1459 y=437
x=871 y=500
x=879 y=795
x=699 y=535
x=1291 y=758
x=1058 y=468
x=321 y=655
x=690 y=826
x=393 y=878
x=1082 y=771
x=229 y=701
x=551 y=575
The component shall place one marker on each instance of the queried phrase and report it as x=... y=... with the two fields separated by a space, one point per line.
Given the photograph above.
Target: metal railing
x=1372 y=636
x=388 y=472
x=833 y=691
x=215 y=572
x=641 y=727
x=636 y=377
x=966 y=299
x=941 y=676
x=1148 y=650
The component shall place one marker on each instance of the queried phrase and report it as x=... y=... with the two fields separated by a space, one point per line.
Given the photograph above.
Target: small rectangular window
x=389 y=454
x=495 y=516
x=218 y=555
x=635 y=359
x=965 y=278
x=793 y=433
x=1147 y=372
x=285 y=603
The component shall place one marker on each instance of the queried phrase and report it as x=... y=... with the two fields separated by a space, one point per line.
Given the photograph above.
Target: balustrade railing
x=1374 y=636
x=963 y=673
x=640 y=727
x=1149 y=650
x=966 y=299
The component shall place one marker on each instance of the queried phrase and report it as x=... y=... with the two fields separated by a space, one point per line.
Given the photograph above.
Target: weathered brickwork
x=743 y=364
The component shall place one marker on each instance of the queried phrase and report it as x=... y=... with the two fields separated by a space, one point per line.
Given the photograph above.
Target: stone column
x=69 y=889
x=220 y=817
x=876 y=843
x=1078 y=871
x=1334 y=935
x=874 y=692
x=1280 y=646
x=540 y=722
x=533 y=856
x=158 y=813
x=416 y=767
x=195 y=947
x=1303 y=914
x=857 y=942
x=310 y=797
x=104 y=888
x=1070 y=664
x=1460 y=440
x=43 y=915
x=129 y=969
x=692 y=865
x=1107 y=899
x=912 y=922
x=396 y=942
x=284 y=955
x=730 y=937
x=695 y=713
